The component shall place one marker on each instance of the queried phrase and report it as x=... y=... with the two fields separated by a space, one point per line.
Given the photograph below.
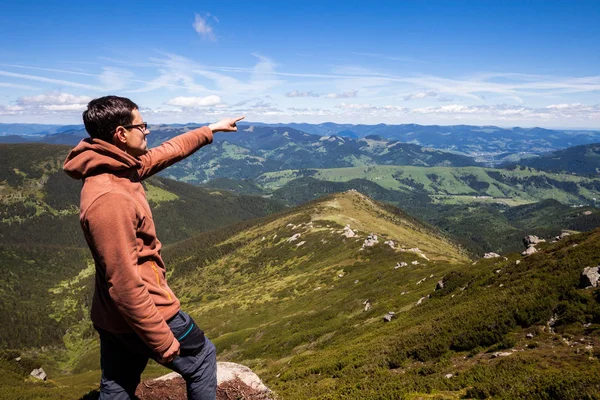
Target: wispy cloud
x=17 y=86
x=59 y=82
x=195 y=102
x=202 y=26
x=297 y=93
x=343 y=95
x=421 y=95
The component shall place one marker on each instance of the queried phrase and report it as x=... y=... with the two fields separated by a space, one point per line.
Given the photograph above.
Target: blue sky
x=507 y=63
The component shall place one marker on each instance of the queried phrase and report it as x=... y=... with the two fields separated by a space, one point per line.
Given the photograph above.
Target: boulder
x=389 y=316
x=491 y=255
x=421 y=300
x=370 y=241
x=367 y=304
x=38 y=373
x=448 y=376
x=589 y=277
x=530 y=250
x=531 y=239
x=400 y=265
x=293 y=238
x=440 y=285
x=228 y=372
x=349 y=233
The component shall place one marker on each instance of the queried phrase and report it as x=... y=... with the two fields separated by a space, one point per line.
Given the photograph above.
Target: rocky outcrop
x=389 y=316
x=370 y=241
x=349 y=233
x=532 y=240
x=589 y=277
x=491 y=255
x=39 y=373
x=235 y=381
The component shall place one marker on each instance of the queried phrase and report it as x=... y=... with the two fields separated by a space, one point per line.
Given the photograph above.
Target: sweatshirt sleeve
x=112 y=223
x=174 y=150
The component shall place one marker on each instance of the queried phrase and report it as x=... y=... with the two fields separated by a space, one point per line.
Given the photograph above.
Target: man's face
x=137 y=144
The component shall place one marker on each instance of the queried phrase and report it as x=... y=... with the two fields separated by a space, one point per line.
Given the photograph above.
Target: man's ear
x=120 y=135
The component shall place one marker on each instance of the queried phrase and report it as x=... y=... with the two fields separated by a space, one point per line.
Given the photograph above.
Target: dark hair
x=105 y=114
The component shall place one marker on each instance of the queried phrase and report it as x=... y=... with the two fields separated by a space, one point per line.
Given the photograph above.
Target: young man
x=135 y=312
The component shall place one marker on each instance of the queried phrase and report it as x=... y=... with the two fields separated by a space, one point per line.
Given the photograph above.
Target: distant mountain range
x=488 y=144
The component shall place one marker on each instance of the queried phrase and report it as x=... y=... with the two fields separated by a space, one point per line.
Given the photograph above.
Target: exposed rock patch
x=589 y=277
x=39 y=373
x=491 y=255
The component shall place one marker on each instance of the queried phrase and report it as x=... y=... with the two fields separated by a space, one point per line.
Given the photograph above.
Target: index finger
x=239 y=118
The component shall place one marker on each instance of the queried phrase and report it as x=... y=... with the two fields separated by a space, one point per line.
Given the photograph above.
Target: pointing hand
x=225 y=125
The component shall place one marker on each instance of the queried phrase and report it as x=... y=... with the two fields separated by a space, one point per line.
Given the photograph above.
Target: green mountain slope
x=287 y=296
x=39 y=203
x=458 y=185
x=295 y=313
x=580 y=160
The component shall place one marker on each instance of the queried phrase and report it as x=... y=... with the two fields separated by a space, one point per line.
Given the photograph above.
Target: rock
x=39 y=374
x=421 y=281
x=349 y=233
x=300 y=244
x=587 y=213
x=532 y=239
x=356 y=281
x=367 y=304
x=421 y=300
x=529 y=336
x=491 y=255
x=498 y=271
x=589 y=277
x=293 y=238
x=415 y=262
x=229 y=372
x=18 y=359
x=389 y=316
x=530 y=250
x=518 y=262
x=400 y=265
x=565 y=234
x=448 y=376
x=391 y=244
x=501 y=354
x=439 y=285
x=370 y=241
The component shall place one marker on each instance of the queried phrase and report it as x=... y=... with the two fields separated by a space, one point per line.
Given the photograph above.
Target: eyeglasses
x=143 y=126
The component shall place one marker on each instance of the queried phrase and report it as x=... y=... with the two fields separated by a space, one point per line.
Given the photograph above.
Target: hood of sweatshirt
x=93 y=156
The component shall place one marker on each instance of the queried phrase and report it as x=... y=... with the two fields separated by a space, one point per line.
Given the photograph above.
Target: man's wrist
x=213 y=128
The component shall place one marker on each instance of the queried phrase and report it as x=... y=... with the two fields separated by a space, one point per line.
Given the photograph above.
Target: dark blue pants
x=123 y=357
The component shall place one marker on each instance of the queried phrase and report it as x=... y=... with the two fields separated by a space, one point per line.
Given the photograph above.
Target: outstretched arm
x=182 y=146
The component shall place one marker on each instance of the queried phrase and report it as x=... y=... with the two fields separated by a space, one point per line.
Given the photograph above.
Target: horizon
x=249 y=123
x=465 y=63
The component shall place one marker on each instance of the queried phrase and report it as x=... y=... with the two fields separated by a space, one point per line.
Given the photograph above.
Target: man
x=134 y=311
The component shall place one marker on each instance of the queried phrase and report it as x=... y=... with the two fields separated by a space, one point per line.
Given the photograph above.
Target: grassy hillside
x=39 y=203
x=581 y=160
x=458 y=185
x=286 y=295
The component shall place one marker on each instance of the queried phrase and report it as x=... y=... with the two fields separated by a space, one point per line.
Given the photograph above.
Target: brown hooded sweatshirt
x=131 y=291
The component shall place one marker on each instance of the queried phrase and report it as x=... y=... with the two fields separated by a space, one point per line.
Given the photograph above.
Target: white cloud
x=343 y=95
x=17 y=86
x=421 y=95
x=55 y=98
x=202 y=27
x=194 y=102
x=297 y=93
